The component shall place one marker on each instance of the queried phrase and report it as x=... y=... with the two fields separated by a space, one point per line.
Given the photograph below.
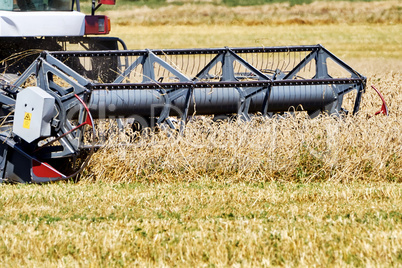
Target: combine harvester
x=48 y=110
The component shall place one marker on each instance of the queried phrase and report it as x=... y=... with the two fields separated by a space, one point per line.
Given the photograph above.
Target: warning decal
x=27 y=120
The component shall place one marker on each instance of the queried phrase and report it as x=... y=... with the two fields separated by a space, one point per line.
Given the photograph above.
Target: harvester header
x=44 y=131
x=51 y=94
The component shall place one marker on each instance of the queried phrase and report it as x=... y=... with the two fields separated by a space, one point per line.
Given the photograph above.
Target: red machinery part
x=384 y=107
x=107 y=2
x=44 y=170
x=97 y=24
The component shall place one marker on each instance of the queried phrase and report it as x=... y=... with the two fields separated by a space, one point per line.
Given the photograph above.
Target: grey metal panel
x=34 y=110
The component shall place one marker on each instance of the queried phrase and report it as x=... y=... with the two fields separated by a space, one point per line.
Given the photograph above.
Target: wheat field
x=271 y=192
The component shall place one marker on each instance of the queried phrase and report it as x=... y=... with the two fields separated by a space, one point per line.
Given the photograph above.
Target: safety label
x=27 y=120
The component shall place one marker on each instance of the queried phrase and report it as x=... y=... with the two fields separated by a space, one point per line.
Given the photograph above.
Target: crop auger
x=49 y=109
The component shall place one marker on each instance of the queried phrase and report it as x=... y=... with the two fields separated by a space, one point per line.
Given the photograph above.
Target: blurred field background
x=288 y=192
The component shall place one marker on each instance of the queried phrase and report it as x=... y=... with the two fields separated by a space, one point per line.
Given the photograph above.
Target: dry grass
x=201 y=224
x=362 y=41
x=319 y=12
x=348 y=29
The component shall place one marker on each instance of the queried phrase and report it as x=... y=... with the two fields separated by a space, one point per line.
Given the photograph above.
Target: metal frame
x=226 y=57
